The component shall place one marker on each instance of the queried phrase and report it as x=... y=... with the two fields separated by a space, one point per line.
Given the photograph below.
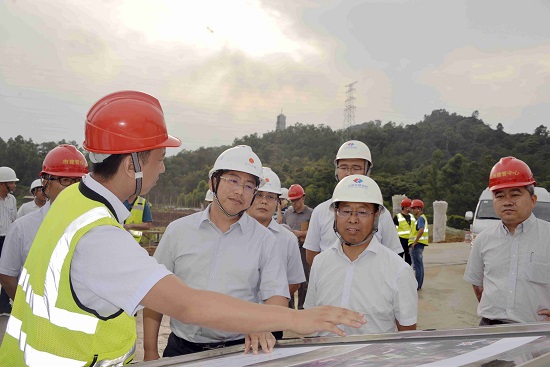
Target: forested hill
x=443 y=157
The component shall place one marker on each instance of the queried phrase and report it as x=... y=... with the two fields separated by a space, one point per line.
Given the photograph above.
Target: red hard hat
x=126 y=122
x=295 y=192
x=510 y=172
x=406 y=202
x=417 y=203
x=66 y=161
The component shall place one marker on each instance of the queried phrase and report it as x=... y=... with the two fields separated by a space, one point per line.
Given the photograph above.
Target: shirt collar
x=274 y=226
x=374 y=247
x=523 y=227
x=121 y=212
x=245 y=222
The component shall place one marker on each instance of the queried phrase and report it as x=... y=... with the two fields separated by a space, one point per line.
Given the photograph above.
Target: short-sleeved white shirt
x=290 y=252
x=8 y=213
x=110 y=270
x=18 y=241
x=320 y=235
x=243 y=262
x=378 y=283
x=514 y=270
x=27 y=208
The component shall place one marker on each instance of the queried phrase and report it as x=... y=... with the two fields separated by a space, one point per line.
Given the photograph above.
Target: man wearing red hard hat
x=80 y=289
x=508 y=265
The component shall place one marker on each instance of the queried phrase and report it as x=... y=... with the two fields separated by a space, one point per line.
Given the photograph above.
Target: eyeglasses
x=352 y=169
x=233 y=183
x=346 y=213
x=66 y=181
x=266 y=196
x=296 y=200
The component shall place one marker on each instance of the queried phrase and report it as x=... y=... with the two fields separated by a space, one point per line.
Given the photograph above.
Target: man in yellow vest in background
x=404 y=221
x=140 y=218
x=418 y=240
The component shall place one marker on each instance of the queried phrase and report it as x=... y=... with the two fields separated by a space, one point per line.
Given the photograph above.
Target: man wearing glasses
x=221 y=249
x=38 y=199
x=262 y=209
x=359 y=272
x=352 y=158
x=63 y=166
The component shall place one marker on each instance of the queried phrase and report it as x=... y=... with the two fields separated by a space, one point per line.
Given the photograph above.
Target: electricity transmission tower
x=349 y=111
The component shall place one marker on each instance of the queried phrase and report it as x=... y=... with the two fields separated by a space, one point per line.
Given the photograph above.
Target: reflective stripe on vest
x=41 y=308
x=425 y=235
x=404 y=228
x=136 y=216
x=35 y=357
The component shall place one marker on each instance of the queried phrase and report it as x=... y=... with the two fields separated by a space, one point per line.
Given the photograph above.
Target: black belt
x=487 y=321
x=199 y=347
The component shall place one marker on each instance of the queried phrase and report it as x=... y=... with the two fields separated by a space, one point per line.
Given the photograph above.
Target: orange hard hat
x=66 y=161
x=510 y=172
x=126 y=122
x=406 y=202
x=417 y=203
x=295 y=192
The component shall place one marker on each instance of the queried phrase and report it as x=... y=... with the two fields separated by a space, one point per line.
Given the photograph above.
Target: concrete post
x=440 y=221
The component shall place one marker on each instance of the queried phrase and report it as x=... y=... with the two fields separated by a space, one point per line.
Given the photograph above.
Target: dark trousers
x=177 y=346
x=418 y=263
x=303 y=288
x=4 y=298
x=405 y=245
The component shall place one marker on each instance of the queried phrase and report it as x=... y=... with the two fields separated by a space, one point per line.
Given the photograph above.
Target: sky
x=224 y=69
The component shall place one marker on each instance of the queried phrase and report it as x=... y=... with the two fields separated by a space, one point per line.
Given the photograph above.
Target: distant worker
x=140 y=218
x=8 y=214
x=38 y=199
x=63 y=166
x=418 y=240
x=89 y=277
x=283 y=205
x=403 y=222
x=359 y=272
x=508 y=265
x=353 y=158
x=262 y=209
x=297 y=217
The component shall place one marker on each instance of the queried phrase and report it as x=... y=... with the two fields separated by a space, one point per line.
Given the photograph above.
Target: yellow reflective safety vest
x=136 y=216
x=47 y=326
x=425 y=235
x=404 y=228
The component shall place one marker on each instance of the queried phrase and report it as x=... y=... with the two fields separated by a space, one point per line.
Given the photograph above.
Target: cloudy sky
x=224 y=69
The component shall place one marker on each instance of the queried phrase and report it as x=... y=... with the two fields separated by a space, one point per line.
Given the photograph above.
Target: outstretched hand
x=326 y=318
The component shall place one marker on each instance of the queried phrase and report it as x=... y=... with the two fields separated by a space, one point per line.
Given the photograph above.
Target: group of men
x=413 y=232
x=225 y=275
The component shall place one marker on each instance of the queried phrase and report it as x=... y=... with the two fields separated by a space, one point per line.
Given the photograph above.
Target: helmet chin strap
x=215 y=195
x=138 y=174
x=367 y=239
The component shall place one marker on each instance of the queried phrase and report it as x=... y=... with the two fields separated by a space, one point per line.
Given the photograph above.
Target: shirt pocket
x=537 y=272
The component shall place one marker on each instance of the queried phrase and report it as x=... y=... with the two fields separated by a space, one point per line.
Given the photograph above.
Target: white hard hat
x=36 y=183
x=284 y=193
x=7 y=175
x=272 y=181
x=353 y=149
x=209 y=196
x=240 y=158
x=357 y=189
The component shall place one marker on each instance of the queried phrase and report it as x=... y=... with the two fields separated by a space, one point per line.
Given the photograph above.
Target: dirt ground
x=446 y=301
